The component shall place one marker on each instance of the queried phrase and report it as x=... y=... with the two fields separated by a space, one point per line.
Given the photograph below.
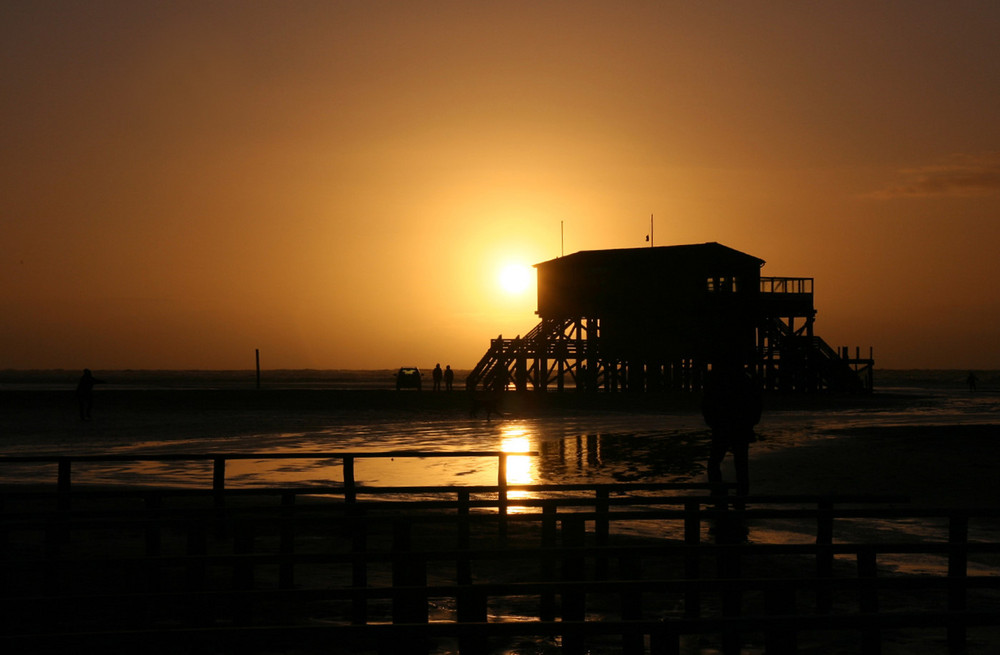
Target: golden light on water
x=520 y=468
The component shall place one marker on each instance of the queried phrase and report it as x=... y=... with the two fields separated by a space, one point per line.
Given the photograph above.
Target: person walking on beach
x=85 y=393
x=449 y=377
x=437 y=375
x=971 y=381
x=731 y=407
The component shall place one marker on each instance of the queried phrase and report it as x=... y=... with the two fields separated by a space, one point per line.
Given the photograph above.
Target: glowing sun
x=515 y=278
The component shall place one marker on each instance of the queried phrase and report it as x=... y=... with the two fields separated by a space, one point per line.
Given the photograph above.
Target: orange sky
x=339 y=183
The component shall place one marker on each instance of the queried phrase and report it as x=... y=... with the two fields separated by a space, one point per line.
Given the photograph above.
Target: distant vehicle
x=408 y=378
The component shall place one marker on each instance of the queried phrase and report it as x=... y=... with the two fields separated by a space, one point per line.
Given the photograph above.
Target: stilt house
x=654 y=319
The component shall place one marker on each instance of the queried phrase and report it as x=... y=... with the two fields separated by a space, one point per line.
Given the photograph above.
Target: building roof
x=681 y=255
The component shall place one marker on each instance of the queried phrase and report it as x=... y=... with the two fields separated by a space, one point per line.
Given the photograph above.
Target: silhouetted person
x=85 y=393
x=449 y=377
x=971 y=381
x=438 y=374
x=731 y=407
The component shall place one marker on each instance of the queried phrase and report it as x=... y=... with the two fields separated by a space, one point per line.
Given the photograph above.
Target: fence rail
x=233 y=571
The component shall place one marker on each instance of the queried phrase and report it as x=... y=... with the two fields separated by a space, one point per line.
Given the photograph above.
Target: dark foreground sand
x=948 y=466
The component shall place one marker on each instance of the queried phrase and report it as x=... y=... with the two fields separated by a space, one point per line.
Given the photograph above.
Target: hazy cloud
x=963 y=175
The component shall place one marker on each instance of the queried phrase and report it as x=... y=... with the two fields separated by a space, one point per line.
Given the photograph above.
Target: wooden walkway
x=351 y=568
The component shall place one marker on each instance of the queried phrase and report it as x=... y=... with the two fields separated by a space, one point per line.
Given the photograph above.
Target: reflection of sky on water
x=598 y=448
x=607 y=447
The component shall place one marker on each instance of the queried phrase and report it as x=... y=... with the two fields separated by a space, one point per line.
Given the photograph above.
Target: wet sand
x=947 y=465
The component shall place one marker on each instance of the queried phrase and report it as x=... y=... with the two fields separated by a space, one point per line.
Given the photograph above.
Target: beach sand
x=943 y=465
x=948 y=466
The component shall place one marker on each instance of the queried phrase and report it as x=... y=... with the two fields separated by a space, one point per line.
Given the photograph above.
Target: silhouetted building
x=647 y=319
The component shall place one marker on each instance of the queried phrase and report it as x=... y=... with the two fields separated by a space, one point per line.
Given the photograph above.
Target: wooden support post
x=359 y=565
x=286 y=573
x=409 y=604
x=520 y=365
x=65 y=478
x=779 y=601
x=243 y=572
x=630 y=568
x=197 y=550
x=574 y=604
x=728 y=539
x=409 y=581
x=463 y=565
x=154 y=542
x=472 y=608
x=547 y=611
x=665 y=640
x=219 y=480
x=824 y=556
x=602 y=530
x=871 y=640
x=958 y=560
x=692 y=558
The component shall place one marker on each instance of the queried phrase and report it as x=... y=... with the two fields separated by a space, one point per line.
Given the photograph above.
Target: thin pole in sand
x=257 y=355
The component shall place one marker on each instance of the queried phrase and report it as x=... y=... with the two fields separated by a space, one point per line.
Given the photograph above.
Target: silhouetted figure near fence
x=85 y=393
x=449 y=377
x=437 y=375
x=731 y=407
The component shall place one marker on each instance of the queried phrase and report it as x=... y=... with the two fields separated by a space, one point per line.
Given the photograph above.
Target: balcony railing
x=786 y=285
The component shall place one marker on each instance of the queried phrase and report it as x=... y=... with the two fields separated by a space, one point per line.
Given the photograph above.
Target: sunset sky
x=339 y=184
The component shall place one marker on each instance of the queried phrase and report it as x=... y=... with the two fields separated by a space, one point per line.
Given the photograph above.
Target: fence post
x=871 y=640
x=65 y=476
x=472 y=608
x=692 y=558
x=286 y=574
x=547 y=612
x=574 y=567
x=502 y=496
x=197 y=551
x=243 y=573
x=463 y=572
x=350 y=490
x=779 y=600
x=409 y=572
x=154 y=541
x=219 y=480
x=630 y=568
x=958 y=559
x=664 y=639
x=824 y=555
x=471 y=603
x=359 y=565
x=729 y=526
x=602 y=531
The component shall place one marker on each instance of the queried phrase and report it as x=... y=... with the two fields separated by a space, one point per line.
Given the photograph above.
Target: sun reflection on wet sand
x=521 y=469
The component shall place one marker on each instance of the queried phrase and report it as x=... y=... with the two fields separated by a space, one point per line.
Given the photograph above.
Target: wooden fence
x=350 y=568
